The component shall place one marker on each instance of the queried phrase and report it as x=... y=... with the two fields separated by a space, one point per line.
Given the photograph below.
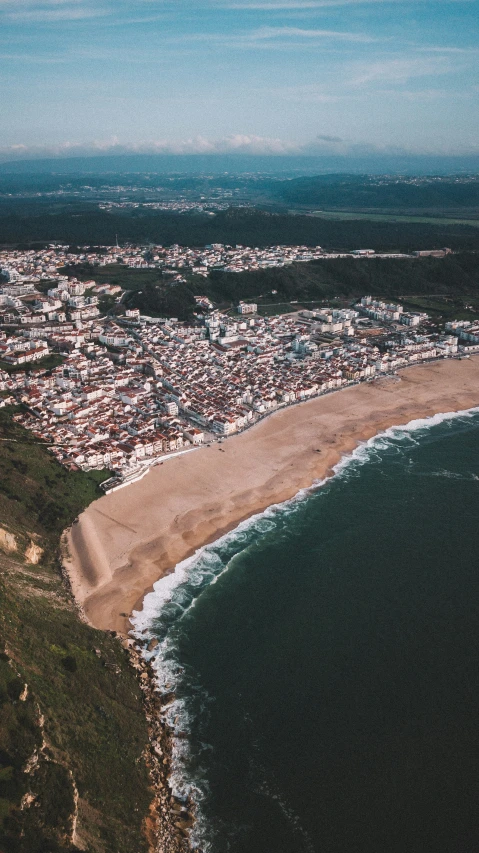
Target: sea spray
x=175 y=595
x=169 y=821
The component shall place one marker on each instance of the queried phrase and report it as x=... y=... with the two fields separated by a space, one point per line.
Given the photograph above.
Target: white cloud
x=50 y=12
x=397 y=70
x=298 y=5
x=234 y=144
x=39 y=4
x=430 y=94
x=242 y=144
x=461 y=51
x=30 y=57
x=309 y=92
x=267 y=38
x=293 y=6
x=298 y=32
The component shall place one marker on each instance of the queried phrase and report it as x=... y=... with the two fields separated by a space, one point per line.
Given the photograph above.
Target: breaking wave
x=174 y=596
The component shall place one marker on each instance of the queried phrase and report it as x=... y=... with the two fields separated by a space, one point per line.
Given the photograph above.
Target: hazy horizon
x=217 y=164
x=333 y=78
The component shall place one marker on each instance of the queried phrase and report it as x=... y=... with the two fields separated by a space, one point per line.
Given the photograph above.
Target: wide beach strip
x=127 y=540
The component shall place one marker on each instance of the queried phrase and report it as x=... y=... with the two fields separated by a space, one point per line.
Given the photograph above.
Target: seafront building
x=131 y=388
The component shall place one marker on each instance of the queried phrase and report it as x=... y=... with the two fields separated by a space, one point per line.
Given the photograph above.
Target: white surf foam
x=206 y=561
x=205 y=567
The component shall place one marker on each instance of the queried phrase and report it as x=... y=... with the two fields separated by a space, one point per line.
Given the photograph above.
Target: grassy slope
x=395 y=278
x=94 y=726
x=454 y=277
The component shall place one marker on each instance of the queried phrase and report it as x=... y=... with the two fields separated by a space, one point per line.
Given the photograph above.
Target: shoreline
x=127 y=540
x=172 y=818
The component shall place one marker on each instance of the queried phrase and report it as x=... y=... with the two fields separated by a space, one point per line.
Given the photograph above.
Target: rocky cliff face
x=172 y=818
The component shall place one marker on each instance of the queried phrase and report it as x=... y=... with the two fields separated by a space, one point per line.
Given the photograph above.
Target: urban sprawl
x=132 y=389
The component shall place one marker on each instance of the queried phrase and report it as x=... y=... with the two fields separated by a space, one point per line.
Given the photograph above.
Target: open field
x=117 y=274
x=273 y=309
x=389 y=217
x=443 y=307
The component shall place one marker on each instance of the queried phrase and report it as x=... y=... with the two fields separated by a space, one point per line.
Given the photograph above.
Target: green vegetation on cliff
x=455 y=275
x=72 y=728
x=454 y=278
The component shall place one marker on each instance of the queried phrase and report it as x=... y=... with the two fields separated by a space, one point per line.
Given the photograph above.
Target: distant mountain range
x=423 y=164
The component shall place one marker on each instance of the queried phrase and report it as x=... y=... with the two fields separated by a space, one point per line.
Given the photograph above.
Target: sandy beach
x=127 y=540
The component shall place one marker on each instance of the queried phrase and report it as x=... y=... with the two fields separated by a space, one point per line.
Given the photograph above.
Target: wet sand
x=127 y=540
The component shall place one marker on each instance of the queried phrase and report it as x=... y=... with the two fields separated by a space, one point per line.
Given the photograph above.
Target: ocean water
x=324 y=659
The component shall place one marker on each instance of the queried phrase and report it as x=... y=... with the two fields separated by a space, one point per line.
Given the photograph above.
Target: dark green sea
x=324 y=659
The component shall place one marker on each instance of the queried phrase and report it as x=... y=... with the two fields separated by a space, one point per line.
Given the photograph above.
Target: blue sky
x=239 y=75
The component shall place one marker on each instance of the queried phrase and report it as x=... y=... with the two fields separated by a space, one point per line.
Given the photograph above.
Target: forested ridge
x=363 y=191
x=250 y=227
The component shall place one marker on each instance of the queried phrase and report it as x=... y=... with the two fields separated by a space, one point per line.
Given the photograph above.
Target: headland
x=127 y=540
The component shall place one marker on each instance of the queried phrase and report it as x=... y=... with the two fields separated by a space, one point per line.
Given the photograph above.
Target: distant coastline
x=127 y=540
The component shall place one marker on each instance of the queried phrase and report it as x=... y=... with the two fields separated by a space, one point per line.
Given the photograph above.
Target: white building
x=247 y=308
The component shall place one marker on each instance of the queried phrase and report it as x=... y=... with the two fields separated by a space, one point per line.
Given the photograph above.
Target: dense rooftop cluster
x=177 y=260
x=131 y=388
x=180 y=205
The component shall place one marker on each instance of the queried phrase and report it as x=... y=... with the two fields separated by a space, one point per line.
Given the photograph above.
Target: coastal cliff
x=84 y=751
x=172 y=818
x=75 y=756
